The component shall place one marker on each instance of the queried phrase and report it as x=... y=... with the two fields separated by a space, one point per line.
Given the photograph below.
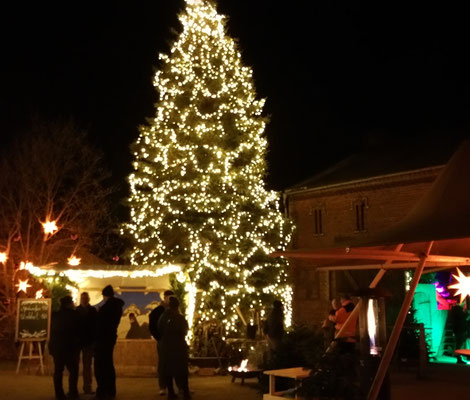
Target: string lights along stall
x=140 y=287
x=434 y=236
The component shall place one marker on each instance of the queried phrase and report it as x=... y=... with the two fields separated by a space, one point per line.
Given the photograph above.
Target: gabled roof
x=392 y=159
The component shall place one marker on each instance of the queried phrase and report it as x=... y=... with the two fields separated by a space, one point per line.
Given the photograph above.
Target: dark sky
x=338 y=75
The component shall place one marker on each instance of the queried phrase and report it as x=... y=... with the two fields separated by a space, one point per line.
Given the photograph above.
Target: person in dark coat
x=135 y=331
x=87 y=317
x=154 y=317
x=107 y=321
x=458 y=320
x=274 y=325
x=64 y=347
x=173 y=328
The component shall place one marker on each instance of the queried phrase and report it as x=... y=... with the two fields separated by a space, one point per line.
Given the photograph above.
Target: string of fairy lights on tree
x=198 y=195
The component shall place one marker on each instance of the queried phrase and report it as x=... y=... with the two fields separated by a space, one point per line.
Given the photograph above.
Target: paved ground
x=441 y=382
x=32 y=387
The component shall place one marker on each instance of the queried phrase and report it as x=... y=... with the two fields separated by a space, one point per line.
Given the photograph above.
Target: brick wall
x=387 y=200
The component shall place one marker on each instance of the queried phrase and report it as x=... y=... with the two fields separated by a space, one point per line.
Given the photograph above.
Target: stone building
x=356 y=198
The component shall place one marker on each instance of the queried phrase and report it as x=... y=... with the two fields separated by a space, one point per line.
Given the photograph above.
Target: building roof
x=387 y=160
x=442 y=216
x=444 y=211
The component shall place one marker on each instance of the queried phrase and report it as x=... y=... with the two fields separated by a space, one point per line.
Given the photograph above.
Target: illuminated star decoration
x=50 y=227
x=74 y=261
x=462 y=286
x=23 y=285
x=39 y=294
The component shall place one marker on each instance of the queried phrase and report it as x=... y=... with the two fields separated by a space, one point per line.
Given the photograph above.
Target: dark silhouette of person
x=87 y=334
x=107 y=322
x=274 y=325
x=173 y=328
x=154 y=317
x=135 y=329
x=64 y=347
x=458 y=319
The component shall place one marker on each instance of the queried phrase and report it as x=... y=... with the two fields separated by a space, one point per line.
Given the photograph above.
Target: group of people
x=334 y=328
x=92 y=333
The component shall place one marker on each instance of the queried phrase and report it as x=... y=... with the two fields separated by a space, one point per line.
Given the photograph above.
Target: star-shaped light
x=39 y=294
x=3 y=257
x=23 y=285
x=462 y=286
x=74 y=261
x=50 y=227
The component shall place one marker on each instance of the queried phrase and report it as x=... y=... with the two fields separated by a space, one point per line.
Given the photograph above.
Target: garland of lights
x=197 y=192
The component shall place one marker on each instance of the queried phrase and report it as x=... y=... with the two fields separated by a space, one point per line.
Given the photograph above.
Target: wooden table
x=297 y=374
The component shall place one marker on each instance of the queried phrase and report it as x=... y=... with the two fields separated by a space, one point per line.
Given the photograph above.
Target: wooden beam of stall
x=370 y=254
x=357 y=307
x=372 y=285
x=349 y=254
x=437 y=266
x=397 y=328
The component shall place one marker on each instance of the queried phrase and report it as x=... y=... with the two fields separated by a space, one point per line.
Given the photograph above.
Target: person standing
x=135 y=331
x=154 y=317
x=274 y=325
x=173 y=328
x=107 y=322
x=347 y=340
x=64 y=347
x=87 y=317
x=328 y=325
x=458 y=320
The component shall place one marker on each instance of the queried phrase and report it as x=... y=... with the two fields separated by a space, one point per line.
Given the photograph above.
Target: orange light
x=3 y=257
x=23 y=285
x=39 y=294
x=25 y=265
x=74 y=261
x=462 y=286
x=50 y=227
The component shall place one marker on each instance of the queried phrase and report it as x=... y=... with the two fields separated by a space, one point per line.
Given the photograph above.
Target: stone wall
x=387 y=200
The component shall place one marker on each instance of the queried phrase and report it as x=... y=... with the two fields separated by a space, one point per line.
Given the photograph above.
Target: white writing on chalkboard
x=33 y=319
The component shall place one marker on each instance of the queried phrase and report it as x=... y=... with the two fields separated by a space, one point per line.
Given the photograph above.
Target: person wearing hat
x=107 y=321
x=64 y=347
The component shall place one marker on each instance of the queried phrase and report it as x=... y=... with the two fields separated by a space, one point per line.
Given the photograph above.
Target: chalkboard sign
x=33 y=319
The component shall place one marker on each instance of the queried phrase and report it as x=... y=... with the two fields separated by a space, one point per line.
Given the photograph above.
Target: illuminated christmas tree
x=197 y=194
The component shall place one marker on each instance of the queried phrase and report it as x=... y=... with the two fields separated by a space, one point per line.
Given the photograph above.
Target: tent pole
x=392 y=342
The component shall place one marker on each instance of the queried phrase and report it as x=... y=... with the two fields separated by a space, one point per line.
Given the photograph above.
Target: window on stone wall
x=360 y=208
x=317 y=213
x=318 y=221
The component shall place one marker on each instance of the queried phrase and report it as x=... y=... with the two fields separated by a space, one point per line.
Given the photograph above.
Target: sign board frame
x=32 y=339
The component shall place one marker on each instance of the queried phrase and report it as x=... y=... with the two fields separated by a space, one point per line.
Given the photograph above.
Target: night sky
x=339 y=76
